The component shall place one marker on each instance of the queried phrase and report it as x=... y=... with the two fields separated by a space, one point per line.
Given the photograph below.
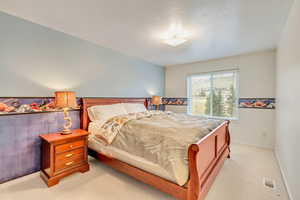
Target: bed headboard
x=88 y=102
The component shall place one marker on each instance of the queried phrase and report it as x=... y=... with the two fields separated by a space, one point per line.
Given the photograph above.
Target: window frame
x=211 y=73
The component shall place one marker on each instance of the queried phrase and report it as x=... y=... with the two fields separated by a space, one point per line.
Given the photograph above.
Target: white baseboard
x=283 y=176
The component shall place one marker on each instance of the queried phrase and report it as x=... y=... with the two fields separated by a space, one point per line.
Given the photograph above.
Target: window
x=213 y=94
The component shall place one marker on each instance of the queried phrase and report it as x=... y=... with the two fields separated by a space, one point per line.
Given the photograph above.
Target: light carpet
x=241 y=178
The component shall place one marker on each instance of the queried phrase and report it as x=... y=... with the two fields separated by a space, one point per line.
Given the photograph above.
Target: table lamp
x=156 y=100
x=66 y=100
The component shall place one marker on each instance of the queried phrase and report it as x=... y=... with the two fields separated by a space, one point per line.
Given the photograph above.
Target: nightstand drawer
x=69 y=154
x=69 y=146
x=70 y=162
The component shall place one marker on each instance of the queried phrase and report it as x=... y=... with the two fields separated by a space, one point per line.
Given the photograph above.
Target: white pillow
x=134 y=107
x=105 y=112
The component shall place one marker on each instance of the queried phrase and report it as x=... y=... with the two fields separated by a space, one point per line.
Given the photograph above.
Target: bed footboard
x=206 y=159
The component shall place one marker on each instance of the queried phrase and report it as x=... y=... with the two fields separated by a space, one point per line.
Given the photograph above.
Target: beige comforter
x=160 y=137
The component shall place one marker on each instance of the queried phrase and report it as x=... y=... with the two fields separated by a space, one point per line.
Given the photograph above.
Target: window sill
x=211 y=117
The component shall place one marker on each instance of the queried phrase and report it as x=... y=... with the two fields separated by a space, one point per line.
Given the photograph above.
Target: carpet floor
x=241 y=178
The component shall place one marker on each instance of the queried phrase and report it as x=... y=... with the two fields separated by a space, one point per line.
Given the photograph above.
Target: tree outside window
x=213 y=94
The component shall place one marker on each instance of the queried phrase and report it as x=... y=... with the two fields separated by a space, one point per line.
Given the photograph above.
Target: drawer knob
x=71 y=146
x=69 y=163
x=69 y=155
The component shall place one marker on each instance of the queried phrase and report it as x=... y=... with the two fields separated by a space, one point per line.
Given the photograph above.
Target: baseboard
x=283 y=176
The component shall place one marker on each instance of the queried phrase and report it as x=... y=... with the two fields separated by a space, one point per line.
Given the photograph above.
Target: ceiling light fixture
x=176 y=35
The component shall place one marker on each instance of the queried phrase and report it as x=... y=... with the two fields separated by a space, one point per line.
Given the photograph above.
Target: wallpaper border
x=257 y=103
x=252 y=103
x=31 y=105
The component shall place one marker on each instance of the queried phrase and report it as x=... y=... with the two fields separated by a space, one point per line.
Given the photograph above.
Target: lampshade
x=156 y=100
x=65 y=99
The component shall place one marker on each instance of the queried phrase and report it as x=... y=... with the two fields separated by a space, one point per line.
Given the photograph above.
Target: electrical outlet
x=264 y=133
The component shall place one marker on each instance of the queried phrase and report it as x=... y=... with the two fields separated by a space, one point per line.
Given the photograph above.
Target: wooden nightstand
x=63 y=155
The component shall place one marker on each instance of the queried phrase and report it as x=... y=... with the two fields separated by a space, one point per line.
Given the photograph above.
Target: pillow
x=134 y=107
x=103 y=113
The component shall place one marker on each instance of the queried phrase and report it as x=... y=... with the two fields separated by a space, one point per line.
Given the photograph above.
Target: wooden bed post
x=193 y=185
x=228 y=138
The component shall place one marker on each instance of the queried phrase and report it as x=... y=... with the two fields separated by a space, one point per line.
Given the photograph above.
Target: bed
x=205 y=157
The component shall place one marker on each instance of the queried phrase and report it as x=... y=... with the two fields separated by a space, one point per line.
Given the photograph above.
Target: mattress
x=155 y=138
x=130 y=159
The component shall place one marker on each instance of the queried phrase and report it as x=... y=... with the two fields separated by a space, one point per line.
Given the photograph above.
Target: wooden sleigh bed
x=206 y=157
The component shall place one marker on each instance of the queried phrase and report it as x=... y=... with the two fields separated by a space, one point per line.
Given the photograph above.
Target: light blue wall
x=36 y=61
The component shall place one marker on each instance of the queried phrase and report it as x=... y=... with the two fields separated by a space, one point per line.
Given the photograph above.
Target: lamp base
x=66 y=132
x=68 y=123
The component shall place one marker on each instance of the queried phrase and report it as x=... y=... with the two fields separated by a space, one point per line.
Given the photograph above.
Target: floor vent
x=269 y=183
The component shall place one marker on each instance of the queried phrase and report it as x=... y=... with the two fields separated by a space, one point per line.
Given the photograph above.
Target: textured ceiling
x=134 y=27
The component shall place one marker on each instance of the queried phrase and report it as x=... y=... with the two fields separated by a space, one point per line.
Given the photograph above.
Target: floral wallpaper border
x=257 y=103
x=175 y=101
x=25 y=105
